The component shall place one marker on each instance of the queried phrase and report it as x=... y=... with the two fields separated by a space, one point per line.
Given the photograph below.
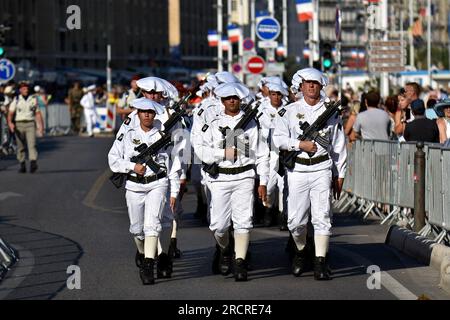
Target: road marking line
x=387 y=281
x=89 y=200
x=6 y=195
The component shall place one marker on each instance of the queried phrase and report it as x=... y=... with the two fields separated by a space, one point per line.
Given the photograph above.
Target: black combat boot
x=174 y=252
x=321 y=269
x=23 y=168
x=164 y=266
x=139 y=259
x=299 y=262
x=225 y=260
x=33 y=166
x=146 y=272
x=240 y=270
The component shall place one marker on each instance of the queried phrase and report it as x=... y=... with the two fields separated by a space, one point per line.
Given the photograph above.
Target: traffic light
x=3 y=30
x=327 y=56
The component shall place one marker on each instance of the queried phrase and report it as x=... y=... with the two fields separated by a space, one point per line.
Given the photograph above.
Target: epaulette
x=205 y=128
x=200 y=112
x=127 y=121
x=120 y=138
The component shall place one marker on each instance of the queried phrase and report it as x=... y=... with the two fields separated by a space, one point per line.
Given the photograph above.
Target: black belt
x=312 y=161
x=146 y=180
x=236 y=170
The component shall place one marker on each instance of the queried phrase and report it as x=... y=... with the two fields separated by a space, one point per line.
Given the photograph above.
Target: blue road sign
x=7 y=70
x=248 y=44
x=268 y=29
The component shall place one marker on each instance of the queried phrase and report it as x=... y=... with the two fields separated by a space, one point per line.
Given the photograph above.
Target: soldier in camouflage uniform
x=76 y=110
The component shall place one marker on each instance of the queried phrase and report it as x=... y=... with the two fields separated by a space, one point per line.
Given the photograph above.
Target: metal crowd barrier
x=8 y=256
x=57 y=119
x=380 y=182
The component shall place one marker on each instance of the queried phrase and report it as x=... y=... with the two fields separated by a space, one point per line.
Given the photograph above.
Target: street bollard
x=419 y=188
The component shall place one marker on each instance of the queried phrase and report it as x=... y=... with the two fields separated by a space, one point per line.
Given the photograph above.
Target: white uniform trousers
x=231 y=201
x=309 y=190
x=90 y=116
x=146 y=211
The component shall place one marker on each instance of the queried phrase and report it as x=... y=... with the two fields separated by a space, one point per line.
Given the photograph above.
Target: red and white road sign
x=256 y=64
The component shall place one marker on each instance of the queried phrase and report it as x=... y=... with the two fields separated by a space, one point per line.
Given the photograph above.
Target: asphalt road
x=68 y=213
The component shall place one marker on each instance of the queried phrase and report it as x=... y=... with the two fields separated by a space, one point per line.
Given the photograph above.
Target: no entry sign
x=256 y=64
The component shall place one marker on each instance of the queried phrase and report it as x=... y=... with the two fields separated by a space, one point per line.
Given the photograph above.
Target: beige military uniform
x=25 y=110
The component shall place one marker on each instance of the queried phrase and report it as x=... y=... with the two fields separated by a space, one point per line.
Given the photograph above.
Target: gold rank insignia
x=136 y=141
x=300 y=115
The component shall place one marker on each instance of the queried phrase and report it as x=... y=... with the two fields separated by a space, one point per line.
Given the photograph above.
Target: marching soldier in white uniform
x=146 y=193
x=162 y=92
x=232 y=184
x=275 y=188
x=311 y=180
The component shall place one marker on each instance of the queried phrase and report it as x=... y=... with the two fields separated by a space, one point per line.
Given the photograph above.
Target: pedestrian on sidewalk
x=23 y=116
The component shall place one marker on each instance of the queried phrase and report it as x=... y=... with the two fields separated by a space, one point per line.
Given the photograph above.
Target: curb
x=423 y=250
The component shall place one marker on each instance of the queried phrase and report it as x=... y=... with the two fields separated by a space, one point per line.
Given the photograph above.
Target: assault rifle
x=230 y=138
x=146 y=153
x=312 y=133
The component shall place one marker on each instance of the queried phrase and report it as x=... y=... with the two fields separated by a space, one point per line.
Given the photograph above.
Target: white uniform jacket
x=211 y=149
x=123 y=150
x=287 y=130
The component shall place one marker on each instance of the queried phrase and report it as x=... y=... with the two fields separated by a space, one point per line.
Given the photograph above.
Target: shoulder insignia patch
x=200 y=112
x=205 y=127
x=120 y=138
x=127 y=121
x=282 y=112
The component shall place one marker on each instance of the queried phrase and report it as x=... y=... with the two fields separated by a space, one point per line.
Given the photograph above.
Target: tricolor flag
x=281 y=51
x=234 y=33
x=225 y=43
x=306 y=53
x=361 y=54
x=305 y=10
x=213 y=38
x=354 y=54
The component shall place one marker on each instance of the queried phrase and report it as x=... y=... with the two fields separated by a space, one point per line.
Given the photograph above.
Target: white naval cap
x=147 y=104
x=277 y=88
x=232 y=89
x=226 y=77
x=272 y=79
x=91 y=87
x=158 y=85
x=308 y=74
x=205 y=88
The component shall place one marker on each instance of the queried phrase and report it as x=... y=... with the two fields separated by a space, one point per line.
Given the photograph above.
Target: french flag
x=306 y=53
x=213 y=38
x=305 y=10
x=225 y=43
x=234 y=33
